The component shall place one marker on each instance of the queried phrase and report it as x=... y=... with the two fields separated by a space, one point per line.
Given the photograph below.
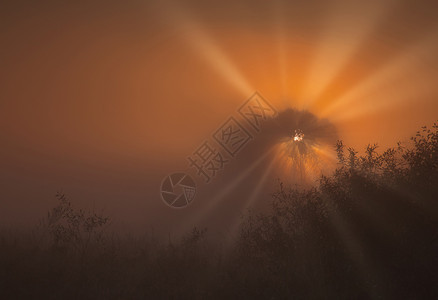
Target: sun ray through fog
x=258 y=187
x=280 y=37
x=339 y=43
x=365 y=268
x=226 y=190
x=378 y=92
x=204 y=45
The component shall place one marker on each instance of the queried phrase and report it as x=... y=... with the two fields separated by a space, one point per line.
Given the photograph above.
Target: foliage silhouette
x=73 y=229
x=369 y=230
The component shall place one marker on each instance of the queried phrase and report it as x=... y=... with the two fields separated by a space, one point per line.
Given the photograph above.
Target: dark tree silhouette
x=369 y=230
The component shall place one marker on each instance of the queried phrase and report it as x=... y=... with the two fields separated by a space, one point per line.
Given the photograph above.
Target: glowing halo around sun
x=299 y=163
x=303 y=145
x=302 y=162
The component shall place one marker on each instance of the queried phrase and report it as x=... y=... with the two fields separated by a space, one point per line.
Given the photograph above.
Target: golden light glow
x=332 y=75
x=117 y=95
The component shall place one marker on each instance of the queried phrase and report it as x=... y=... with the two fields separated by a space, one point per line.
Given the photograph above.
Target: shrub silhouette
x=369 y=230
x=73 y=229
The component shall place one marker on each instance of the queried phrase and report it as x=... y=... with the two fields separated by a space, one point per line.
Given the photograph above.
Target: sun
x=299 y=135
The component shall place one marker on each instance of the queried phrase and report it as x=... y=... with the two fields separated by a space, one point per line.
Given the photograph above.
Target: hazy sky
x=102 y=99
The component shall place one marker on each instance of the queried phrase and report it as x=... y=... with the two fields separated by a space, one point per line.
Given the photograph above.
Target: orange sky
x=101 y=100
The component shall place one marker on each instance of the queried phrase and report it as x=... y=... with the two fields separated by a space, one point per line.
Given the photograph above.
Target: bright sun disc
x=299 y=135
